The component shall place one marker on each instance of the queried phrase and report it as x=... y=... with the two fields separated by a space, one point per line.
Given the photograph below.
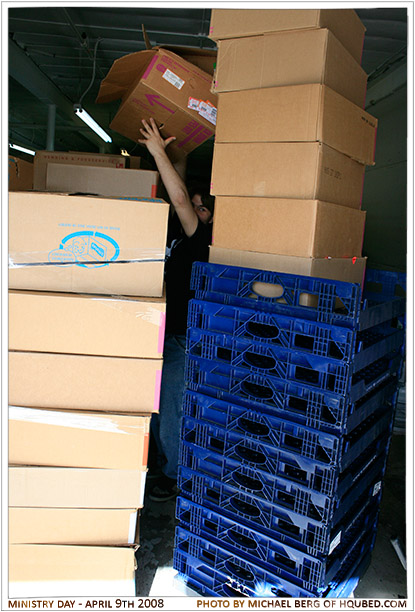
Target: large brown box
x=299 y=228
x=235 y=23
x=20 y=174
x=298 y=170
x=351 y=270
x=87 y=244
x=82 y=324
x=83 y=382
x=158 y=83
x=73 y=439
x=65 y=487
x=109 y=182
x=49 y=570
x=289 y=58
x=87 y=526
x=306 y=113
x=102 y=160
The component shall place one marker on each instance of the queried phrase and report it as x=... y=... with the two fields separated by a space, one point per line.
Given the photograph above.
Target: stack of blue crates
x=287 y=420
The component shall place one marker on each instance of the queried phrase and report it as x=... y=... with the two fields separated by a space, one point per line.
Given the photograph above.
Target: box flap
x=123 y=73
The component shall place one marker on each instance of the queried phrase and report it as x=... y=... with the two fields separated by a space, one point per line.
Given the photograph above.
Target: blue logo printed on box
x=87 y=249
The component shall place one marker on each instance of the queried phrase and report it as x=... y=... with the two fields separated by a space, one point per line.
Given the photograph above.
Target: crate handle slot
x=239 y=572
x=262 y=330
x=268 y=290
x=242 y=540
x=250 y=455
x=253 y=427
x=245 y=508
x=247 y=482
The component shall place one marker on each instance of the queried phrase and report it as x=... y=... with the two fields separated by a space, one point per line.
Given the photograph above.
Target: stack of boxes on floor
x=291 y=379
x=86 y=331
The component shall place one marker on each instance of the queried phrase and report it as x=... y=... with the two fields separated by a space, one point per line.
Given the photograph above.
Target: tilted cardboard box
x=102 y=526
x=86 y=244
x=299 y=228
x=83 y=324
x=76 y=158
x=299 y=170
x=350 y=270
x=235 y=23
x=82 y=382
x=297 y=113
x=20 y=174
x=304 y=56
x=109 y=182
x=49 y=570
x=65 y=487
x=73 y=439
x=158 y=83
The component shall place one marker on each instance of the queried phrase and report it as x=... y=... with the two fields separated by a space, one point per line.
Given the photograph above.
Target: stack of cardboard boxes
x=292 y=141
x=86 y=331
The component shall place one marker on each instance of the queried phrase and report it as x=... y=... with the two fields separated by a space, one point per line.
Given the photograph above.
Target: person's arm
x=174 y=184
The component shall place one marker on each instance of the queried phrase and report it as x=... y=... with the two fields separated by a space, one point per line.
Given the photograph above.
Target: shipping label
x=173 y=78
x=205 y=109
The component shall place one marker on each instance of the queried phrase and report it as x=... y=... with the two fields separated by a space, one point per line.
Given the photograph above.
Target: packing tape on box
x=62 y=418
x=64 y=258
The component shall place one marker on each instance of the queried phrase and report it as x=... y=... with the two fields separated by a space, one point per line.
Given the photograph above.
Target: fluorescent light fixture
x=82 y=114
x=22 y=149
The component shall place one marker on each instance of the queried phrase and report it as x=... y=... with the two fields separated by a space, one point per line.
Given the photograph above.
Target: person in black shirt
x=189 y=236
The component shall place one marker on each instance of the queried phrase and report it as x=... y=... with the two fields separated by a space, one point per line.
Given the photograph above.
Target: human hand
x=152 y=139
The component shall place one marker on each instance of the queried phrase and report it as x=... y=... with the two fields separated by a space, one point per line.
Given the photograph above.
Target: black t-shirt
x=178 y=268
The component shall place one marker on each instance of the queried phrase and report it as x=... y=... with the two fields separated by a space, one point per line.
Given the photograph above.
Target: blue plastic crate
x=217 y=483
x=206 y=580
x=263 y=441
x=332 y=302
x=337 y=418
x=286 y=364
x=278 y=397
x=382 y=285
x=314 y=538
x=342 y=344
x=304 y=571
x=254 y=437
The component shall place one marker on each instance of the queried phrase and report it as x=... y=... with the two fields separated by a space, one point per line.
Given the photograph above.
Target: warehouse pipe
x=50 y=136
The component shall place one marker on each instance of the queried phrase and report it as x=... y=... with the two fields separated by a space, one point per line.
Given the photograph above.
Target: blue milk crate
x=314 y=538
x=282 y=398
x=240 y=433
x=303 y=571
x=383 y=285
x=235 y=580
x=249 y=443
x=335 y=302
x=337 y=419
x=286 y=364
x=252 y=495
x=361 y=347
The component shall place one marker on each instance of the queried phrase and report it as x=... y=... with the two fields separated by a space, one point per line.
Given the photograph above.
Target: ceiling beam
x=25 y=72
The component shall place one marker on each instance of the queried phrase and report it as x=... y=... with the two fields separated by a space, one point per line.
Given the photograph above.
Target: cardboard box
x=299 y=228
x=86 y=244
x=82 y=382
x=306 y=113
x=344 y=23
x=73 y=439
x=91 y=526
x=62 y=487
x=20 y=174
x=304 y=56
x=205 y=59
x=71 y=571
x=102 y=160
x=351 y=270
x=82 y=324
x=160 y=84
x=110 y=182
x=298 y=170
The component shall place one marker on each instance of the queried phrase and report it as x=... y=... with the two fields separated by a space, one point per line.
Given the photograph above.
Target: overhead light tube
x=22 y=149
x=86 y=118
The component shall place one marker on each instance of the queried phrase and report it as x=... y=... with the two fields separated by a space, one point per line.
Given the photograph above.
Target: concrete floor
x=384 y=578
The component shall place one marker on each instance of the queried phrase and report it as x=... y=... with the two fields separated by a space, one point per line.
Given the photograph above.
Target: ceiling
x=51 y=52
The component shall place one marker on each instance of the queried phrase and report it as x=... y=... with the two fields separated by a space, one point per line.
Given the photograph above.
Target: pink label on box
x=149 y=67
x=161 y=332
x=157 y=391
